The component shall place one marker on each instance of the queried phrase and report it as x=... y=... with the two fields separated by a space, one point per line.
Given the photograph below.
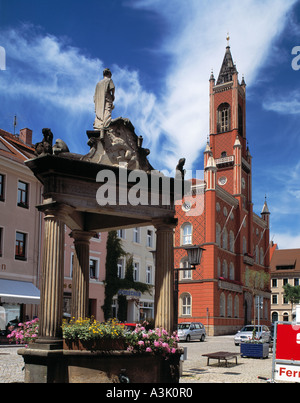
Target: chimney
x=26 y=136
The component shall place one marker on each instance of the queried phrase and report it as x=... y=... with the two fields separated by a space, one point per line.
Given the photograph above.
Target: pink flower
x=148 y=350
x=173 y=350
x=141 y=343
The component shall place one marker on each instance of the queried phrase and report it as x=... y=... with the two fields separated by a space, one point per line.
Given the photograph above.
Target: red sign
x=288 y=342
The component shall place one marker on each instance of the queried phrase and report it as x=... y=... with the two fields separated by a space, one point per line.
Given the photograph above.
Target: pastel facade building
x=20 y=229
x=138 y=242
x=235 y=263
x=285 y=269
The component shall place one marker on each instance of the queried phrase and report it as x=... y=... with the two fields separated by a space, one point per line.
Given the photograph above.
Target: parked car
x=191 y=331
x=246 y=333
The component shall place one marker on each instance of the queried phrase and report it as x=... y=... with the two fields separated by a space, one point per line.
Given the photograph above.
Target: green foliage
x=292 y=294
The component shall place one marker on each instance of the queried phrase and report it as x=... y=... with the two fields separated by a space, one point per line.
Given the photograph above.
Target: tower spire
x=228 y=67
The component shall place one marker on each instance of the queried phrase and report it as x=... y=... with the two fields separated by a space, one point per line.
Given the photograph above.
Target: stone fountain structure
x=74 y=187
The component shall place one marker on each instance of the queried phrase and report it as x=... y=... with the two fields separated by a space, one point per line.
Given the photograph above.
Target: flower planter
x=95 y=345
x=255 y=350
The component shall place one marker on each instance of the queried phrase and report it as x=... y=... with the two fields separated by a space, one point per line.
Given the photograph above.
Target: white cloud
x=287 y=105
x=196 y=43
x=286 y=241
x=56 y=75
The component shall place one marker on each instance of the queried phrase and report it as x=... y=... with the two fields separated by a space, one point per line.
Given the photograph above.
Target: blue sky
x=161 y=53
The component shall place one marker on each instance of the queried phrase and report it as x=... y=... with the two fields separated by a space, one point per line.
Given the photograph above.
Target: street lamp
x=194 y=253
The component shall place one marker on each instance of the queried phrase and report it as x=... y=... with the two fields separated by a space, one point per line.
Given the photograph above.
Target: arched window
x=231 y=271
x=229 y=306
x=224 y=269
x=285 y=317
x=261 y=256
x=256 y=254
x=186 y=234
x=218 y=234
x=236 y=306
x=186 y=304
x=223 y=118
x=244 y=245
x=225 y=239
x=222 y=305
x=231 y=241
x=219 y=268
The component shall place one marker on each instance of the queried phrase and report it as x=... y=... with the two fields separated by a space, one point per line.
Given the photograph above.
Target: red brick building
x=235 y=264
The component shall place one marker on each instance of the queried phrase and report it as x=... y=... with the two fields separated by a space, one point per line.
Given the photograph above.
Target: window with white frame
x=186 y=274
x=149 y=274
x=186 y=306
x=136 y=271
x=94 y=269
x=136 y=235
x=121 y=270
x=149 y=238
x=121 y=233
x=186 y=234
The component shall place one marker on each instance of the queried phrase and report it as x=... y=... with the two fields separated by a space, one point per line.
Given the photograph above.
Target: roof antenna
x=15 y=123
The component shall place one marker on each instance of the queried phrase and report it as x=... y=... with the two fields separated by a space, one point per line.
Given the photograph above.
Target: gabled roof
x=227 y=69
x=285 y=259
x=13 y=148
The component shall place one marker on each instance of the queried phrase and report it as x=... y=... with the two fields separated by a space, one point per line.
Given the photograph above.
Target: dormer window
x=223 y=118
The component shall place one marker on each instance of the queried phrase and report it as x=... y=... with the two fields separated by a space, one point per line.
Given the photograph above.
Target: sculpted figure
x=103 y=98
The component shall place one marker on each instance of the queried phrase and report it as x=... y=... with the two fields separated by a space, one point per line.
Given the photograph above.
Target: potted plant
x=89 y=334
x=254 y=348
x=25 y=333
x=156 y=341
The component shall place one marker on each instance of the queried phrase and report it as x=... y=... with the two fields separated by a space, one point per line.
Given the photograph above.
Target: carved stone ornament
x=118 y=144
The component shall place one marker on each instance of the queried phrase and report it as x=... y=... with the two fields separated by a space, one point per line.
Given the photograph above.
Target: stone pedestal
x=164 y=275
x=80 y=282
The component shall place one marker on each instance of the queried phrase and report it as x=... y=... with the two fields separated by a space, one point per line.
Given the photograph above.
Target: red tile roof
x=13 y=148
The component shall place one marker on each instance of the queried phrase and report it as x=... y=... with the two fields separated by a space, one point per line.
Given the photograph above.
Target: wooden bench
x=221 y=355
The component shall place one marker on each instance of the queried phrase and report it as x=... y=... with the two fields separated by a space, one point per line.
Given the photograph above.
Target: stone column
x=164 y=275
x=81 y=275
x=51 y=282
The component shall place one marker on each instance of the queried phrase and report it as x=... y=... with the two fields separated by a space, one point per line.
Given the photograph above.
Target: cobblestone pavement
x=195 y=369
x=11 y=365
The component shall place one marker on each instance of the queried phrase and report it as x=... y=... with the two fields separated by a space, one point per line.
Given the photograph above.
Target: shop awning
x=18 y=292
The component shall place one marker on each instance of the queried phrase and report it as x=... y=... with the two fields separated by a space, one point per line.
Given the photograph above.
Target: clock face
x=222 y=181
x=186 y=206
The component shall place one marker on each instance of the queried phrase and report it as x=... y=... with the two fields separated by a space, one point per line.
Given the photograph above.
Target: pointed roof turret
x=228 y=68
x=265 y=209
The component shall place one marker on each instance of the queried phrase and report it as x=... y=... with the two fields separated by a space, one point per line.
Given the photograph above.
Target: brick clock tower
x=234 y=269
